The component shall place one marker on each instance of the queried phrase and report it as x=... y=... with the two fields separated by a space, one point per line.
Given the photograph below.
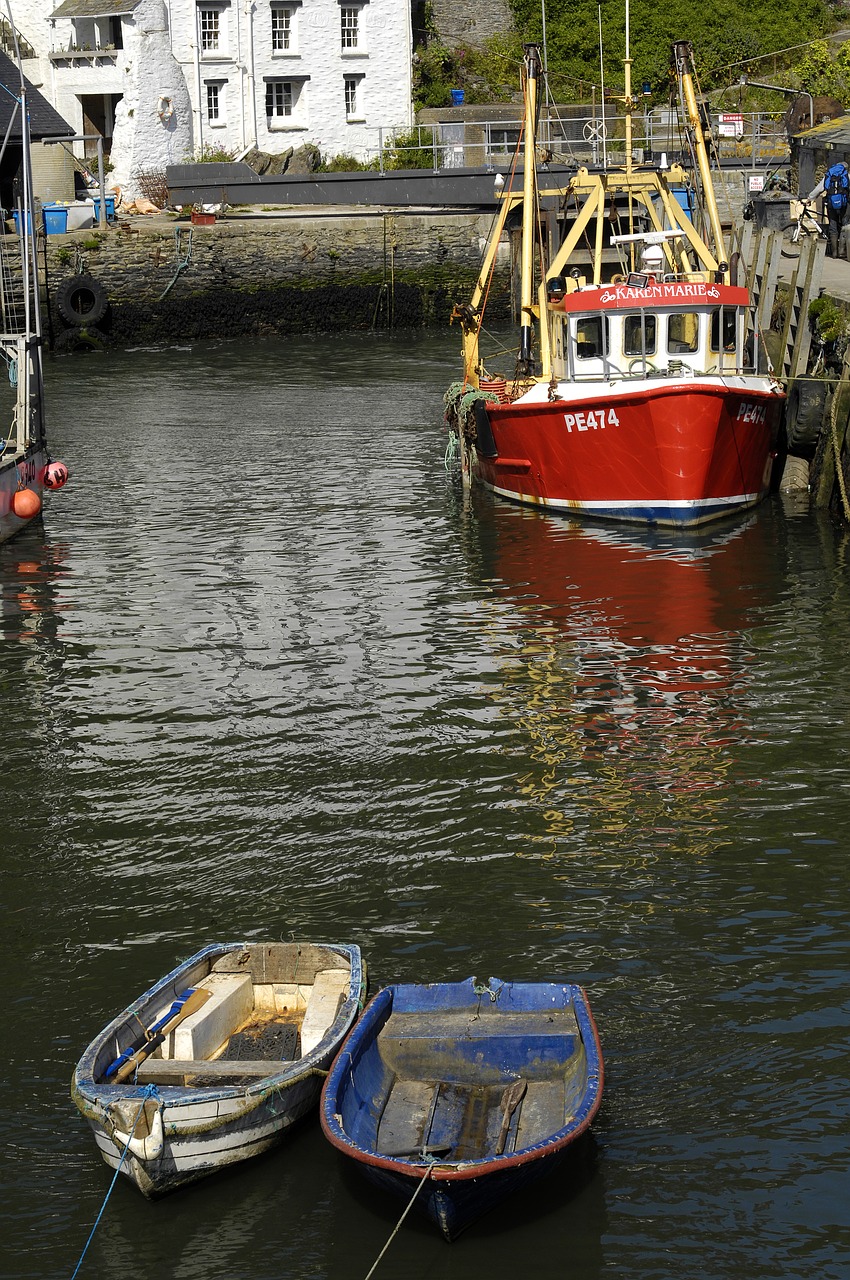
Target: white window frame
x=355 y=83
x=285 y=92
x=212 y=33
x=215 y=89
x=286 y=16
x=352 y=28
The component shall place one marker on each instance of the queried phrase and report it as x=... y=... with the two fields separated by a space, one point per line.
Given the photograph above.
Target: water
x=266 y=673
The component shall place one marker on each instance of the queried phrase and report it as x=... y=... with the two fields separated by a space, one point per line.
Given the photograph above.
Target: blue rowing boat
x=459 y=1094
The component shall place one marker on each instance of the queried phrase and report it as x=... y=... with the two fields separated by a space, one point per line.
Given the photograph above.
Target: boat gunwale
x=91 y=1095
x=714 y=385
x=466 y=1170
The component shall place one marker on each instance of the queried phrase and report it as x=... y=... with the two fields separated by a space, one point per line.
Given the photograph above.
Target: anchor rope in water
x=150 y=1092
x=182 y=263
x=397 y=1226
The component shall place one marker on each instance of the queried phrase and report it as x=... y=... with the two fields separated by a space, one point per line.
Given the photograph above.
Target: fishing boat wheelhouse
x=635 y=393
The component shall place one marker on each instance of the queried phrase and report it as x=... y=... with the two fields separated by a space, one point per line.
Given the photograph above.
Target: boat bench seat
x=175 y=1070
x=483 y=1050
x=330 y=987
x=230 y=1005
x=463 y=1121
x=557 y=1023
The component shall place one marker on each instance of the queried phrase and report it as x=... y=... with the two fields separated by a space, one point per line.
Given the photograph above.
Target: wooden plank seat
x=175 y=1070
x=330 y=987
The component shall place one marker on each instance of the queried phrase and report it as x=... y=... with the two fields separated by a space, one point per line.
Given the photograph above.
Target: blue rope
x=149 y=1092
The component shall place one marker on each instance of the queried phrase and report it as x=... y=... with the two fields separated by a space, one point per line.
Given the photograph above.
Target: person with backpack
x=834 y=186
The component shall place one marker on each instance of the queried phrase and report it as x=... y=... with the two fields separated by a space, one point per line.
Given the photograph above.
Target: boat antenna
x=545 y=55
x=627 y=68
x=602 y=92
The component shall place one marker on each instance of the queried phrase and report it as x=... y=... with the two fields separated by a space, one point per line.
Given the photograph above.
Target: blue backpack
x=837 y=186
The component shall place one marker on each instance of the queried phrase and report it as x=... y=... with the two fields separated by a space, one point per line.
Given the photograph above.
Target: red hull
x=679 y=454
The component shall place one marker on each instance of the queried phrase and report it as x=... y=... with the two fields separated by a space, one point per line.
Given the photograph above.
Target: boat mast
x=529 y=215
x=683 y=56
x=29 y=354
x=627 y=94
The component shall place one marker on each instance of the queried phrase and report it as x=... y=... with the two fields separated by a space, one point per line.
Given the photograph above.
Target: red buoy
x=55 y=475
x=26 y=504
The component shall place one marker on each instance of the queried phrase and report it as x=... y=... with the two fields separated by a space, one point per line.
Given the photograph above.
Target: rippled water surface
x=265 y=672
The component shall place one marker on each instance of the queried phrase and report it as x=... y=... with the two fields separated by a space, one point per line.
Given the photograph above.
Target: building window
x=209 y=21
x=350 y=25
x=215 y=102
x=282 y=34
x=281 y=96
x=353 y=97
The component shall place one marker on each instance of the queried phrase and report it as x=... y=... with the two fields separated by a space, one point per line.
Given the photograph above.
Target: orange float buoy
x=26 y=504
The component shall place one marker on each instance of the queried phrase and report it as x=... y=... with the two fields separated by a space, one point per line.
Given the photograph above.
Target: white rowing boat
x=215 y=1062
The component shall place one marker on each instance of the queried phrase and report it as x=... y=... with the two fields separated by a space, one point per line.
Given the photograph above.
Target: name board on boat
x=678 y=293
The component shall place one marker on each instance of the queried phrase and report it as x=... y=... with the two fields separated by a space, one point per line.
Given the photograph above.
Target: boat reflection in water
x=626 y=668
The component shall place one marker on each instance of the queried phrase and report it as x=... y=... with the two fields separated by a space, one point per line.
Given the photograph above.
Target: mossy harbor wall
x=256 y=274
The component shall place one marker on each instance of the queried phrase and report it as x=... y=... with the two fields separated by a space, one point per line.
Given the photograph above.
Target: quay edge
x=273 y=272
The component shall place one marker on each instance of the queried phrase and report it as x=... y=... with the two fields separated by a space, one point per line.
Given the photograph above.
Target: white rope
x=400 y=1221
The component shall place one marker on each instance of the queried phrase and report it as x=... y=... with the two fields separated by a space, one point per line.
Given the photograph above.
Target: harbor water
x=266 y=672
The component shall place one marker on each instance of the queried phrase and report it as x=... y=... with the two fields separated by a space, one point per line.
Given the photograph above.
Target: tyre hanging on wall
x=81 y=301
x=805 y=412
x=86 y=338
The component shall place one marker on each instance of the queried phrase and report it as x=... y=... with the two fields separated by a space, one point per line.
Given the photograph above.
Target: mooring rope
x=397 y=1226
x=182 y=263
x=839 y=469
x=150 y=1092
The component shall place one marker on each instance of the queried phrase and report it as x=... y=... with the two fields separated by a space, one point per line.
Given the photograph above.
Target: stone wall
x=470 y=21
x=256 y=275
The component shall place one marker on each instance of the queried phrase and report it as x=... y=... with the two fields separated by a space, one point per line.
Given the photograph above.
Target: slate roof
x=45 y=121
x=93 y=8
x=834 y=133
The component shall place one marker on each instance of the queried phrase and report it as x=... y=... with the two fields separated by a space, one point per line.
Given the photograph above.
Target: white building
x=164 y=82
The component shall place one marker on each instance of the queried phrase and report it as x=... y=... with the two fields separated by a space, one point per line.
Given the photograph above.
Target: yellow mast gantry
x=646 y=188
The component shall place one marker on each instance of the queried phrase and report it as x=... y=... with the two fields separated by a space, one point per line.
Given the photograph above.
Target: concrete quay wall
x=255 y=274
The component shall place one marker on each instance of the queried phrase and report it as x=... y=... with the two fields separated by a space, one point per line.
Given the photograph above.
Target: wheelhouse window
x=350 y=29
x=682 y=333
x=639 y=335
x=723 y=320
x=591 y=338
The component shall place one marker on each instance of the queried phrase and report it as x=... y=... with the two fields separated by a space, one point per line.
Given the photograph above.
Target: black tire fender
x=81 y=301
x=79 y=339
x=805 y=411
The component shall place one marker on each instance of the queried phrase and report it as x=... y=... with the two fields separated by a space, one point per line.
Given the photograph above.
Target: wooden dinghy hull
x=463 y=1093
x=185 y=1113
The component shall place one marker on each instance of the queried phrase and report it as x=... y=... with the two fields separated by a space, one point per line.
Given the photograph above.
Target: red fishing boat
x=636 y=393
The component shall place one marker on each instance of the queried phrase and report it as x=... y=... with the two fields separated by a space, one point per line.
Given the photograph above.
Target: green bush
x=344 y=163
x=212 y=155
x=412 y=149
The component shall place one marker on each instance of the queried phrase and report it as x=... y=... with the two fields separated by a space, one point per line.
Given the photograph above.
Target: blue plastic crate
x=55 y=219
x=110 y=208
